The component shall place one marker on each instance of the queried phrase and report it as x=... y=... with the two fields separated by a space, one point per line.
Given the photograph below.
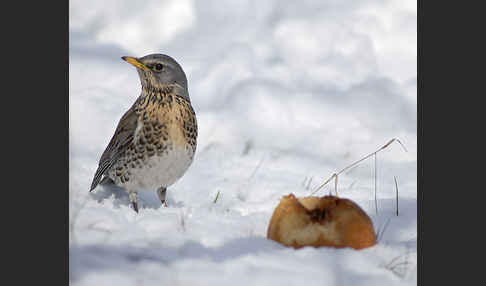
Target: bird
x=155 y=140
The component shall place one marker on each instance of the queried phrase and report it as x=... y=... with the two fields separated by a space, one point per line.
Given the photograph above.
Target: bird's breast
x=164 y=143
x=161 y=170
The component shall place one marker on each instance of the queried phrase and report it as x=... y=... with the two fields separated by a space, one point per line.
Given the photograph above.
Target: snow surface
x=286 y=93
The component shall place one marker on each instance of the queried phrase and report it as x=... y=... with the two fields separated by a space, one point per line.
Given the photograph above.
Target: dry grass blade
x=396 y=188
x=379 y=233
x=335 y=184
x=256 y=168
x=305 y=180
x=351 y=185
x=395 y=268
x=325 y=183
x=357 y=162
x=391 y=141
x=376 y=202
x=216 y=199
x=308 y=184
x=395 y=264
x=182 y=221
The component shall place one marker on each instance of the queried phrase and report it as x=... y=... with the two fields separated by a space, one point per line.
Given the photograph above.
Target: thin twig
x=359 y=161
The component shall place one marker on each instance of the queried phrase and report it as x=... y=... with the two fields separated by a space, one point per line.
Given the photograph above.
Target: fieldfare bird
x=155 y=140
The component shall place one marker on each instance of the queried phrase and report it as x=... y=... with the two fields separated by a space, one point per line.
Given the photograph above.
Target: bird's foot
x=133 y=199
x=161 y=192
x=135 y=206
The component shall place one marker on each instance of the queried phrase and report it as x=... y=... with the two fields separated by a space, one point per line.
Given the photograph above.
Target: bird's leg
x=133 y=199
x=161 y=193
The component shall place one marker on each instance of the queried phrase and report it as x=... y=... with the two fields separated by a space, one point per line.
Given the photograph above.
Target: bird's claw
x=135 y=206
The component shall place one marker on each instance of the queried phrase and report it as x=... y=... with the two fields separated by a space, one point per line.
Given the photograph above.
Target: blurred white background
x=325 y=68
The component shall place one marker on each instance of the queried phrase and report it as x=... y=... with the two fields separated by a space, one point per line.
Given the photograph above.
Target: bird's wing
x=120 y=141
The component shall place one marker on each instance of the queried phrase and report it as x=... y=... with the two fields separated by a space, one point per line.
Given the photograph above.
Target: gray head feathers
x=159 y=71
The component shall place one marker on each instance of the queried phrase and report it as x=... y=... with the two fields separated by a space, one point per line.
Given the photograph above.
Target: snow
x=286 y=93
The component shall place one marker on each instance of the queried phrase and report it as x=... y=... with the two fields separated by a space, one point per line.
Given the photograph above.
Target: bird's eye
x=158 y=67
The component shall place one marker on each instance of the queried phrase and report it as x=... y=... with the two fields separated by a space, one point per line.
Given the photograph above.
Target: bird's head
x=158 y=71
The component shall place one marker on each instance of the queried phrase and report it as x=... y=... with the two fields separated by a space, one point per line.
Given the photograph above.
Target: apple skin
x=321 y=221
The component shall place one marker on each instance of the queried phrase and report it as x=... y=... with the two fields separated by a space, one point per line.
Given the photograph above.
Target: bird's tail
x=102 y=181
x=99 y=174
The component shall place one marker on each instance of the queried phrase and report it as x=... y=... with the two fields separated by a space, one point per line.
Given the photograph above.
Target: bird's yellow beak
x=133 y=61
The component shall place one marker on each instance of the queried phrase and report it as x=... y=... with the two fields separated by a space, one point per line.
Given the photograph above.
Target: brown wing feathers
x=120 y=141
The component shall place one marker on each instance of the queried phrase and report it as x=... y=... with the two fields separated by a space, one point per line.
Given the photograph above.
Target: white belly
x=160 y=171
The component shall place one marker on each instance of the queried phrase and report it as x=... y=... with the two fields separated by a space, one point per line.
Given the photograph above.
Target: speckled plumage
x=155 y=140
